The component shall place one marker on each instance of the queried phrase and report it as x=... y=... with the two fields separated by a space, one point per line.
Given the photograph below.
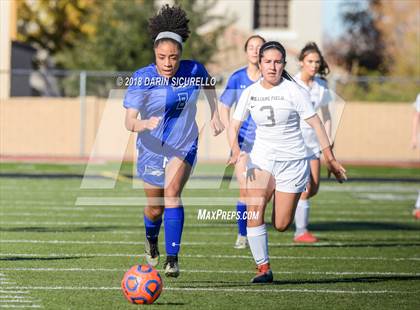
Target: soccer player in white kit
x=278 y=160
x=414 y=144
x=312 y=78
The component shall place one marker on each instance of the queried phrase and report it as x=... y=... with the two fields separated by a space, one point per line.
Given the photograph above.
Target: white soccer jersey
x=320 y=97
x=277 y=113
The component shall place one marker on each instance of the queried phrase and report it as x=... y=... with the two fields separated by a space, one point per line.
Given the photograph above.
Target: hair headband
x=169 y=35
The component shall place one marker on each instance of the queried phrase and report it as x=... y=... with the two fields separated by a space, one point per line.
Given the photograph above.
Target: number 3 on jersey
x=270 y=117
x=182 y=100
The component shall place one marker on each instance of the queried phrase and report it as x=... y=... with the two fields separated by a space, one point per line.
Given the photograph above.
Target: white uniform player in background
x=313 y=69
x=415 y=143
x=278 y=161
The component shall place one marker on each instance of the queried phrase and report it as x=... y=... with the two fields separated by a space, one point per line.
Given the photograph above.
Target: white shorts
x=291 y=176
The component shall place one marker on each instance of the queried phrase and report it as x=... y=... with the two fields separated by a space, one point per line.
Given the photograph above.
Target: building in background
x=291 y=22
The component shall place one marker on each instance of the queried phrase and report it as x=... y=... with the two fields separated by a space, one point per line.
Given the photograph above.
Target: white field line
x=233 y=290
x=186 y=243
x=348 y=187
x=43 y=203
x=11 y=298
x=17 y=301
x=343 y=273
x=18 y=306
x=197 y=201
x=113 y=223
x=191 y=213
x=362 y=258
x=204 y=223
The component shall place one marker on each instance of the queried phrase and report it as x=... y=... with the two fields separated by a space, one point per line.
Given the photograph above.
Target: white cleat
x=172 y=267
x=241 y=242
x=152 y=252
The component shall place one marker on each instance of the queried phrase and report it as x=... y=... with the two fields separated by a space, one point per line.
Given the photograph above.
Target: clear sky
x=332 y=25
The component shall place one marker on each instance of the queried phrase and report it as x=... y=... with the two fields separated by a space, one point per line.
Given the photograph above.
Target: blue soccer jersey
x=174 y=100
x=237 y=82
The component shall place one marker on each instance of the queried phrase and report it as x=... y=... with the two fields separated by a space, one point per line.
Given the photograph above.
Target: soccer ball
x=141 y=284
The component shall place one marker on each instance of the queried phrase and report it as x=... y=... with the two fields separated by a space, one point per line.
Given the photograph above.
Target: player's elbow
x=129 y=124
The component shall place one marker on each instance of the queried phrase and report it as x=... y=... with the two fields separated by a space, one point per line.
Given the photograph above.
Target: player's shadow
x=232 y=284
x=349 y=244
x=157 y=303
x=354 y=225
x=371 y=279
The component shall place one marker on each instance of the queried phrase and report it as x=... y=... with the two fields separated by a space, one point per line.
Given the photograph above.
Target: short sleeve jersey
x=175 y=103
x=277 y=113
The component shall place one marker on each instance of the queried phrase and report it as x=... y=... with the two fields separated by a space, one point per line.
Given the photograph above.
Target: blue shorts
x=151 y=166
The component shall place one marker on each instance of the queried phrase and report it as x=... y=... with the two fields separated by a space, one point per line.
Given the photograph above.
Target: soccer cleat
x=241 y=242
x=306 y=237
x=416 y=213
x=171 y=266
x=264 y=275
x=152 y=252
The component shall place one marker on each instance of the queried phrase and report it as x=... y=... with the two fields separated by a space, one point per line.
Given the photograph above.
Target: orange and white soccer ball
x=142 y=284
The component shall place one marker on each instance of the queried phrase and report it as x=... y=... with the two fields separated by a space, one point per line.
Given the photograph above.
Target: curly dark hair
x=309 y=48
x=172 y=19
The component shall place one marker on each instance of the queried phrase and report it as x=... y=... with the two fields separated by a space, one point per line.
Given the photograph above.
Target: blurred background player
x=414 y=144
x=167 y=131
x=278 y=159
x=313 y=69
x=236 y=84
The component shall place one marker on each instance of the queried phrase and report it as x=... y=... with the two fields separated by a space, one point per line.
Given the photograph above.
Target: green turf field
x=63 y=247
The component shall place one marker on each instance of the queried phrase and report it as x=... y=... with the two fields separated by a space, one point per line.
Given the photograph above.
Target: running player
x=278 y=159
x=311 y=77
x=236 y=84
x=414 y=144
x=165 y=93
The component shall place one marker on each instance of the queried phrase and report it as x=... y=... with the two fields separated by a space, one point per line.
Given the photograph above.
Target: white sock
x=417 y=205
x=302 y=217
x=258 y=243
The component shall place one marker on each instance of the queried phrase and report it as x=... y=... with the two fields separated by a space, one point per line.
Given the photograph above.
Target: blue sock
x=174 y=223
x=241 y=208
x=152 y=228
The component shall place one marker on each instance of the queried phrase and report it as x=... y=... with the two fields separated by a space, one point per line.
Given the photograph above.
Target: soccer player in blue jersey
x=236 y=84
x=165 y=94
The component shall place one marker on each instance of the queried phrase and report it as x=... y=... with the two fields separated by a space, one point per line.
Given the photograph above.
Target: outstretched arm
x=333 y=165
x=215 y=122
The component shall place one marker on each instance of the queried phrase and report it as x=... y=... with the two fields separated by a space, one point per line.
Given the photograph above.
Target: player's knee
x=154 y=212
x=281 y=225
x=172 y=191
